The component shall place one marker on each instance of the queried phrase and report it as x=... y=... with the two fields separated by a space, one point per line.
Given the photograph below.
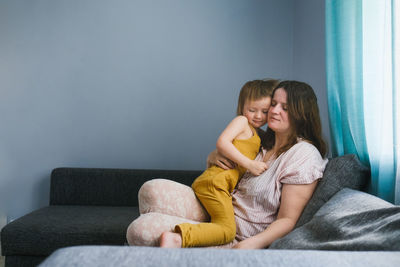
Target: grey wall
x=309 y=52
x=133 y=84
x=125 y=84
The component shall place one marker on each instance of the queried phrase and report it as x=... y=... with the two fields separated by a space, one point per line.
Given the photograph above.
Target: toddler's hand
x=257 y=167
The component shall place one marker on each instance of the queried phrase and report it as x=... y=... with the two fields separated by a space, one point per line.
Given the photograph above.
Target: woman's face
x=278 y=116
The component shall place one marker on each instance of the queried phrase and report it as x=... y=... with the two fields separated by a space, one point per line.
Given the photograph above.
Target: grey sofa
x=105 y=256
x=90 y=210
x=86 y=207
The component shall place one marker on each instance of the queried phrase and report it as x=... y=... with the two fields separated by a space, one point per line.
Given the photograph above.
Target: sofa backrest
x=106 y=187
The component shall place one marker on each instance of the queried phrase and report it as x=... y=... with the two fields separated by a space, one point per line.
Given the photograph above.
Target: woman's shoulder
x=302 y=164
x=304 y=148
x=304 y=144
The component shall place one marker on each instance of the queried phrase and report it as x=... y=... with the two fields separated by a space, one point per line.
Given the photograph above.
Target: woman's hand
x=250 y=243
x=214 y=158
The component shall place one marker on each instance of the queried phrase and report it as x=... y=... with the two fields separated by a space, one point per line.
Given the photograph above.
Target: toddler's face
x=256 y=111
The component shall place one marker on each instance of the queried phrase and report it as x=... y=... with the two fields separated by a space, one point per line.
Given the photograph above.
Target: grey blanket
x=350 y=220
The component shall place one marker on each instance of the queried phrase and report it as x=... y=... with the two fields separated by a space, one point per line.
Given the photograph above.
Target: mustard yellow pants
x=213 y=188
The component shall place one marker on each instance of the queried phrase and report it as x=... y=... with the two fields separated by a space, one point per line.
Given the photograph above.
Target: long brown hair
x=304 y=117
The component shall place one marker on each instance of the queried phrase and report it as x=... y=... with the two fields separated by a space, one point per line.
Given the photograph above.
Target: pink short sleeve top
x=256 y=199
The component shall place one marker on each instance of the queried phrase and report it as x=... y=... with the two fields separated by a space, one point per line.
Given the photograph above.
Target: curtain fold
x=362 y=84
x=344 y=77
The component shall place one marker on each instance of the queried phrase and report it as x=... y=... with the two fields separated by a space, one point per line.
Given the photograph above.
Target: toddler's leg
x=214 y=193
x=172 y=198
x=147 y=229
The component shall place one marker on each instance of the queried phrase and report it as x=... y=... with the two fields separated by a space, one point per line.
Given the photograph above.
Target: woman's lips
x=275 y=119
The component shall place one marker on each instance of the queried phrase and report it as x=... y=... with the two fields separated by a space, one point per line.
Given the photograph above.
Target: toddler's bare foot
x=170 y=240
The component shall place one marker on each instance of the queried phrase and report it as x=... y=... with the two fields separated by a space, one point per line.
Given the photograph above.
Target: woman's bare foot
x=170 y=240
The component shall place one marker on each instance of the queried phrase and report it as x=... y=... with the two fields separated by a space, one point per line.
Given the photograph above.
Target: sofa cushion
x=340 y=172
x=43 y=231
x=88 y=256
x=351 y=220
x=106 y=187
x=23 y=261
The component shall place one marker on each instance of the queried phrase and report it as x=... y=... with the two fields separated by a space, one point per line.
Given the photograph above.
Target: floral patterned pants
x=162 y=205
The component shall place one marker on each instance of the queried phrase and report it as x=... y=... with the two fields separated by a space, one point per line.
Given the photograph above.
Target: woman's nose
x=274 y=109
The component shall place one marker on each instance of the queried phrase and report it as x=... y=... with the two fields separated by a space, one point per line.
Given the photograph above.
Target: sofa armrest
x=106 y=187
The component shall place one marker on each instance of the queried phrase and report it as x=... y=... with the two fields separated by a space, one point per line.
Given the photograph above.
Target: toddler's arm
x=225 y=146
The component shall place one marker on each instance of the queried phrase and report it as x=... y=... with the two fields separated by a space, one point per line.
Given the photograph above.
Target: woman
x=267 y=206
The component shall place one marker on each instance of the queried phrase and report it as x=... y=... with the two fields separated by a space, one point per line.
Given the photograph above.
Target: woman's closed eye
x=283 y=106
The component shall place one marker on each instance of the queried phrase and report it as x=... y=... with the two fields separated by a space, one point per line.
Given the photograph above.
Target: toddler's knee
x=230 y=233
x=218 y=182
x=196 y=185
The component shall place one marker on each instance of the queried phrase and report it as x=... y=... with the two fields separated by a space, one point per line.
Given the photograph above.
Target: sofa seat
x=40 y=232
x=99 y=256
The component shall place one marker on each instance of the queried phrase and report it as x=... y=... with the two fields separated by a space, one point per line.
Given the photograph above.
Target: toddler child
x=240 y=143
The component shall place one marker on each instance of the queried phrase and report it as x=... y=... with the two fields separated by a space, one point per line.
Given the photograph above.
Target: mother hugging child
x=254 y=196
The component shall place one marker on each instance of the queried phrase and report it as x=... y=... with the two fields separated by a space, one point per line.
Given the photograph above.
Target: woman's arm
x=237 y=129
x=215 y=158
x=293 y=200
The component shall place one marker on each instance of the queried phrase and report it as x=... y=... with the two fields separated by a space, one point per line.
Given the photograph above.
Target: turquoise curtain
x=344 y=77
x=362 y=83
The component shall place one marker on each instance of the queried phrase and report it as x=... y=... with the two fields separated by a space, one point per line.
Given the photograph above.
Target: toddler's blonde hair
x=255 y=90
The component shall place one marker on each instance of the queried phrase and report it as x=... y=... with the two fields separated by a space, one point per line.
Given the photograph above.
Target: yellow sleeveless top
x=248 y=147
